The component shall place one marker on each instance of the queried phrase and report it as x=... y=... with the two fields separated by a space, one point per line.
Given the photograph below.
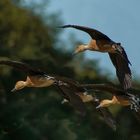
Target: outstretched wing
x=107 y=116
x=123 y=71
x=22 y=67
x=74 y=99
x=95 y=34
x=67 y=80
x=106 y=88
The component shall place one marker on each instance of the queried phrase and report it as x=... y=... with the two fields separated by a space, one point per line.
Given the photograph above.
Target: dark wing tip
x=66 y=26
x=11 y=63
x=125 y=56
x=21 y=66
x=15 y=64
x=95 y=34
x=123 y=70
x=127 y=81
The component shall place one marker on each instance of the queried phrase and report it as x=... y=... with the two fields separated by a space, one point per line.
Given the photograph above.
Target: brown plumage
x=35 y=77
x=102 y=43
x=129 y=98
x=70 y=89
x=38 y=78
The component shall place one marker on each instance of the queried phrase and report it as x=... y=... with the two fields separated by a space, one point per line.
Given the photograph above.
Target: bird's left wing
x=104 y=87
x=95 y=34
x=22 y=67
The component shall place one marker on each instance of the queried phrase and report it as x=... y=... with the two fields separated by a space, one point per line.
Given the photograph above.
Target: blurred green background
x=28 y=33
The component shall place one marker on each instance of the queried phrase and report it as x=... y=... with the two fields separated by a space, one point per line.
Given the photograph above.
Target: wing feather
x=22 y=67
x=95 y=34
x=123 y=71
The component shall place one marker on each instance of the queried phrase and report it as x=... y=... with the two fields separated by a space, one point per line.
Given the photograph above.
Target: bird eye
x=114 y=46
x=119 y=44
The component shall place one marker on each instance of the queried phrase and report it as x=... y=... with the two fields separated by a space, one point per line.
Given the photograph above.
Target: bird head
x=79 y=49
x=19 y=85
x=104 y=103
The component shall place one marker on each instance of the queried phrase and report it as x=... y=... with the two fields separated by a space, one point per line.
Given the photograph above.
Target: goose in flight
x=119 y=96
x=37 y=78
x=72 y=86
x=102 y=43
x=70 y=89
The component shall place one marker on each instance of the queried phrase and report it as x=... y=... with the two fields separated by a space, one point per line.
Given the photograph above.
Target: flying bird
x=37 y=78
x=102 y=43
x=119 y=96
x=72 y=86
x=70 y=90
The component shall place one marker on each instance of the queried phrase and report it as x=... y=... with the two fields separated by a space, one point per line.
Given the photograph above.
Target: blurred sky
x=119 y=19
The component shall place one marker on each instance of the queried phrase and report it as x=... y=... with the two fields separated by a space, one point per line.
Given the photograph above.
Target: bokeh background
x=28 y=33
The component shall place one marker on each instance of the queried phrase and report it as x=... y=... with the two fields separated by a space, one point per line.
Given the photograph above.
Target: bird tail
x=134 y=103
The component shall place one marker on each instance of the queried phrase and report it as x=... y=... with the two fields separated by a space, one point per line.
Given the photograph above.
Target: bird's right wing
x=123 y=71
x=108 y=117
x=95 y=34
x=104 y=87
x=22 y=67
x=67 y=80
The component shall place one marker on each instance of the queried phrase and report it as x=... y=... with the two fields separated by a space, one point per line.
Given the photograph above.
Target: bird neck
x=108 y=102
x=84 y=47
x=115 y=100
x=28 y=82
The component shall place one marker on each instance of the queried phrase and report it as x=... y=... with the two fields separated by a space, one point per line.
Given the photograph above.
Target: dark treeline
x=37 y=114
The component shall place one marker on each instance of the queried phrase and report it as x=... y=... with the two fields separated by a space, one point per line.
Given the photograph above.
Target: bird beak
x=99 y=106
x=13 y=90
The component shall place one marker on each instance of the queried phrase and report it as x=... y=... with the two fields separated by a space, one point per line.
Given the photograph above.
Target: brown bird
x=38 y=78
x=72 y=86
x=119 y=96
x=102 y=43
x=70 y=89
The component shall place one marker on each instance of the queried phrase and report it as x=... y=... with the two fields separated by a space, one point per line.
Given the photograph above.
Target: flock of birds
x=77 y=94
